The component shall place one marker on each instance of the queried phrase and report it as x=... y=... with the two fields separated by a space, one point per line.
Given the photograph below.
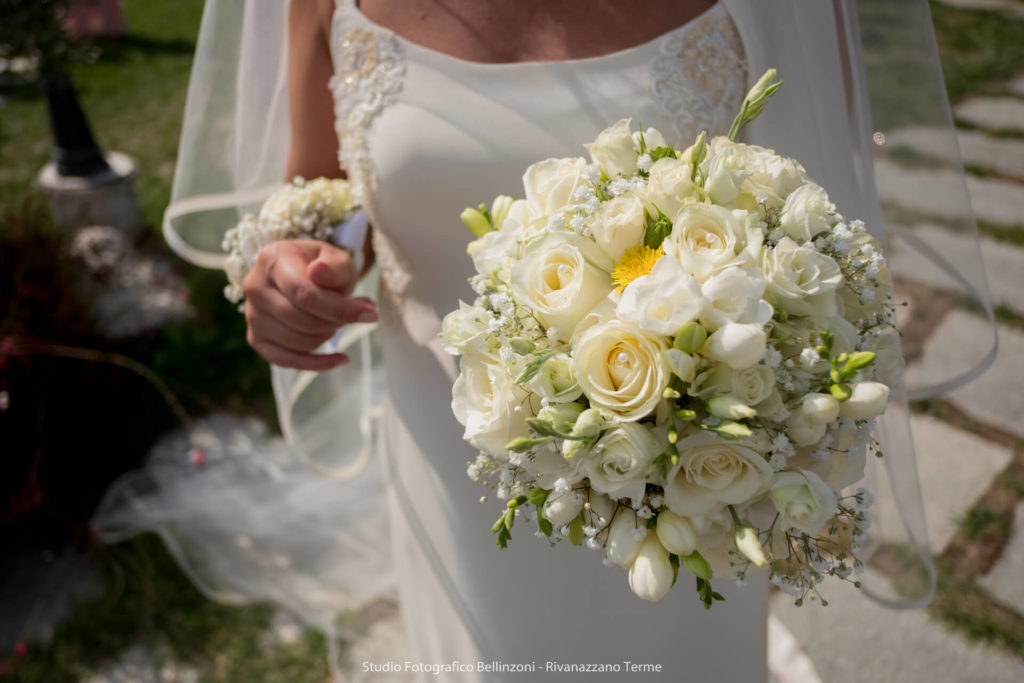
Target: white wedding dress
x=430 y=134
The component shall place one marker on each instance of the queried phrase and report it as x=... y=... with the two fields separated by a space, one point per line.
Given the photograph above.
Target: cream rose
x=614 y=150
x=801 y=280
x=549 y=184
x=562 y=277
x=484 y=399
x=621 y=461
x=620 y=368
x=713 y=473
x=803 y=500
x=669 y=186
x=763 y=176
x=806 y=213
x=663 y=300
x=706 y=238
x=619 y=225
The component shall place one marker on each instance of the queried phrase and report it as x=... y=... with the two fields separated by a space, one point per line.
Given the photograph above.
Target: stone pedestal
x=106 y=198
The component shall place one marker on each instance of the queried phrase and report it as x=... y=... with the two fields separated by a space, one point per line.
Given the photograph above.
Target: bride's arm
x=299 y=291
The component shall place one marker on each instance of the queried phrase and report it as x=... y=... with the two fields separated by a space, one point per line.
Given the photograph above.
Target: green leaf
x=504 y=537
x=544 y=525
x=537 y=496
x=673 y=559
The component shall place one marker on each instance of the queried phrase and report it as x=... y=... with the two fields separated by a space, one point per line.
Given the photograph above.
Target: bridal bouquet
x=676 y=357
x=311 y=209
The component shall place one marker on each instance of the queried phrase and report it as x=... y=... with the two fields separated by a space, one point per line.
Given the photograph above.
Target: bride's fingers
x=286 y=358
x=274 y=304
x=267 y=328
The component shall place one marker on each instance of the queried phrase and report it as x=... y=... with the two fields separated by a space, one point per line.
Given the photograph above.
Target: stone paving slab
x=940 y=193
x=997 y=397
x=955 y=468
x=994 y=113
x=855 y=639
x=1003 y=263
x=1006 y=580
x=1016 y=86
x=999 y=155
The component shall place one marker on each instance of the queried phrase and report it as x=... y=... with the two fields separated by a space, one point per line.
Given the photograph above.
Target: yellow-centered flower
x=636 y=262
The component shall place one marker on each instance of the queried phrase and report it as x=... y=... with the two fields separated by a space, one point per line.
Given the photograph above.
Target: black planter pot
x=75 y=150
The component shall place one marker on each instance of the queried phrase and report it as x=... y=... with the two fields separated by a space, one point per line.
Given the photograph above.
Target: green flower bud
x=476 y=222
x=690 y=337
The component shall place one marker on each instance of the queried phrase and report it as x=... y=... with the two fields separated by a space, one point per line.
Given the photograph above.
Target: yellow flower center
x=636 y=262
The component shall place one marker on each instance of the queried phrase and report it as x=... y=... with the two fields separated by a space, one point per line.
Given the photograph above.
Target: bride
x=430 y=106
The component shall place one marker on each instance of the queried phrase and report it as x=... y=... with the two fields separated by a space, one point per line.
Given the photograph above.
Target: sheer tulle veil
x=303 y=524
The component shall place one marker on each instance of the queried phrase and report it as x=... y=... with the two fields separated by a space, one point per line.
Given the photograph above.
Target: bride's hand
x=296 y=296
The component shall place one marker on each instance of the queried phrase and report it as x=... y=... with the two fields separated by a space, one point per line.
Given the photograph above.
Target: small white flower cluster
x=676 y=357
x=301 y=208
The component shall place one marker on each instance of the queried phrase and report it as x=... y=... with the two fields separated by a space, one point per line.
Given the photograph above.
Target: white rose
x=734 y=295
x=663 y=300
x=706 y=239
x=770 y=178
x=621 y=461
x=624 y=539
x=713 y=473
x=549 y=184
x=555 y=382
x=819 y=408
x=464 y=326
x=561 y=508
x=669 y=186
x=619 y=225
x=737 y=345
x=653 y=139
x=801 y=280
x=562 y=277
x=676 y=533
x=803 y=500
x=620 y=368
x=496 y=252
x=651 y=574
x=807 y=212
x=726 y=172
x=484 y=399
x=752 y=385
x=869 y=399
x=614 y=150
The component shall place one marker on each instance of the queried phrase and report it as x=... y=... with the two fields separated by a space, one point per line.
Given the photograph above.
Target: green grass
x=151 y=602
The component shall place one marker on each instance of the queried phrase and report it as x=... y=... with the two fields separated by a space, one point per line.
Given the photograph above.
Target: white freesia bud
x=614 y=151
x=560 y=509
x=729 y=407
x=748 y=544
x=676 y=533
x=590 y=423
x=651 y=574
x=623 y=542
x=819 y=408
x=682 y=364
x=868 y=400
x=803 y=500
x=560 y=414
x=652 y=139
x=802 y=431
x=738 y=345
